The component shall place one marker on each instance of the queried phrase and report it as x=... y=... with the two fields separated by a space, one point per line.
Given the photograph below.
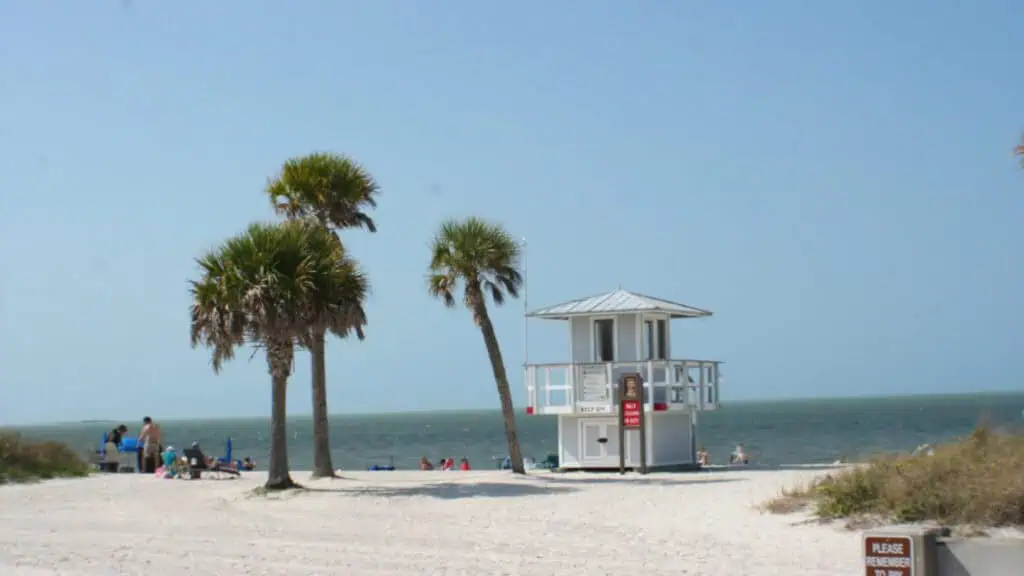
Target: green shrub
x=22 y=460
x=978 y=480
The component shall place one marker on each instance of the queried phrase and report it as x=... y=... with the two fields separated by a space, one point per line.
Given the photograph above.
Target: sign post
x=632 y=417
x=888 y=555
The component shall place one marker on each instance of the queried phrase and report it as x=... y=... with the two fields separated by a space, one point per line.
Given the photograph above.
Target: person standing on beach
x=150 y=439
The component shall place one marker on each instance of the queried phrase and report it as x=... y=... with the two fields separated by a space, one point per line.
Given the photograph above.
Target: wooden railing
x=592 y=388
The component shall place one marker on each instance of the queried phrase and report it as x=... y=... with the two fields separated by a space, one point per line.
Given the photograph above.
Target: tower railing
x=592 y=387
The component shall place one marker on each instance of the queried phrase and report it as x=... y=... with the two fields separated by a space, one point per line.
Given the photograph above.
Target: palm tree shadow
x=451 y=491
x=642 y=481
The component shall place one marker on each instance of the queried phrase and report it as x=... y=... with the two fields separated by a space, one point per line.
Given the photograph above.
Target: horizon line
x=86 y=421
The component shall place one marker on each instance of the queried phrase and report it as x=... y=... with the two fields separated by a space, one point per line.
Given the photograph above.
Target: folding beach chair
x=197 y=466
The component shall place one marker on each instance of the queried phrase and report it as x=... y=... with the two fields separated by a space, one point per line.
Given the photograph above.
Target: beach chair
x=196 y=467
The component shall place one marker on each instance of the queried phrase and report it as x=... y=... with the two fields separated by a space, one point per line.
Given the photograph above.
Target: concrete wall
x=979 y=557
x=938 y=554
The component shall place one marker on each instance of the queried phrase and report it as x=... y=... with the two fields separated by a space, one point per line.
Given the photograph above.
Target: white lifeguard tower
x=611 y=334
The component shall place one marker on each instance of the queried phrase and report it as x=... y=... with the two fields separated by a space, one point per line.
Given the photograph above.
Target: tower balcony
x=592 y=387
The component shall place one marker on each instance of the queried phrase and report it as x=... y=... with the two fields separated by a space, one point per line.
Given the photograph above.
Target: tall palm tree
x=263 y=288
x=484 y=258
x=335 y=192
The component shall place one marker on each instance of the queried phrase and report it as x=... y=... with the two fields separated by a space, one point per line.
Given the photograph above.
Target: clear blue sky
x=833 y=179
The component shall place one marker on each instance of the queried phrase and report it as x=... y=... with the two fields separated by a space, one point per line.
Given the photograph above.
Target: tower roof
x=617 y=302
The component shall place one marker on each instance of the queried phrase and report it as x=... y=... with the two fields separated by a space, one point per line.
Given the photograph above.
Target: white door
x=592 y=433
x=600 y=439
x=611 y=448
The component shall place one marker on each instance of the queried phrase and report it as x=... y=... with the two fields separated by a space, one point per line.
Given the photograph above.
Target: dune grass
x=976 y=481
x=22 y=460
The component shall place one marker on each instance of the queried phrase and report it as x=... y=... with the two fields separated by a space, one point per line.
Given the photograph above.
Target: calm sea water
x=789 y=432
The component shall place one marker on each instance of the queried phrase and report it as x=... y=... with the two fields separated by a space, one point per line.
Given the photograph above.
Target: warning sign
x=888 y=556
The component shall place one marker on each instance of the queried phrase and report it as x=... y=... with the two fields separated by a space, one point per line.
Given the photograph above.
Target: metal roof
x=616 y=302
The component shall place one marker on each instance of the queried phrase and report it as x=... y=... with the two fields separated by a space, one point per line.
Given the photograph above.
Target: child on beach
x=464 y=465
x=425 y=464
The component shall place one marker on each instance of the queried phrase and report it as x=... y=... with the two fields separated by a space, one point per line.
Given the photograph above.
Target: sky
x=835 y=180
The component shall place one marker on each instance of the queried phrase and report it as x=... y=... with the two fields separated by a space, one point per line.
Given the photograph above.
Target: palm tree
x=484 y=258
x=335 y=192
x=264 y=287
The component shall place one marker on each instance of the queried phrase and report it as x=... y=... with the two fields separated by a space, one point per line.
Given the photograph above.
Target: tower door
x=599 y=439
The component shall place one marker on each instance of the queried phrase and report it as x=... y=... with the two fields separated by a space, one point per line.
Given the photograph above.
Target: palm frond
x=331 y=188
x=442 y=286
x=480 y=255
x=272 y=283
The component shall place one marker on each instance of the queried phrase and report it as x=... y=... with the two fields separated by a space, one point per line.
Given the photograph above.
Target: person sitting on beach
x=703 y=457
x=425 y=464
x=170 y=468
x=449 y=464
x=170 y=457
x=117 y=434
x=111 y=460
x=209 y=461
x=464 y=465
x=248 y=464
x=739 y=456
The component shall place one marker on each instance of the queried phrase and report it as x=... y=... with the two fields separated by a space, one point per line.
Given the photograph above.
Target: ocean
x=779 y=432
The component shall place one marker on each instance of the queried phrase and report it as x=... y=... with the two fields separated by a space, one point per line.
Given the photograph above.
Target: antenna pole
x=526 y=309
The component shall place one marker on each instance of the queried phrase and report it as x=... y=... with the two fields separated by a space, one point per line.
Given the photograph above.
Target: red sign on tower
x=631 y=414
x=631 y=401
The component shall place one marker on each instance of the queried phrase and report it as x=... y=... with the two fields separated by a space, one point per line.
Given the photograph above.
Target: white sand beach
x=399 y=523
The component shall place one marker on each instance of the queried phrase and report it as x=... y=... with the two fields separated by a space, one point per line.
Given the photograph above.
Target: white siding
x=625 y=328
x=580 y=339
x=672 y=443
x=568 y=442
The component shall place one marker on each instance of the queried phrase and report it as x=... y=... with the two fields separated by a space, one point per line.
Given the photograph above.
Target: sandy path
x=418 y=523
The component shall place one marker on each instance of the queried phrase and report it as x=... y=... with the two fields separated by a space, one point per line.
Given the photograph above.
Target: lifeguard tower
x=611 y=334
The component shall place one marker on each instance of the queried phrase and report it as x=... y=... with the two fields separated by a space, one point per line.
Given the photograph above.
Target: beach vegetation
x=264 y=288
x=23 y=460
x=335 y=192
x=974 y=481
x=482 y=258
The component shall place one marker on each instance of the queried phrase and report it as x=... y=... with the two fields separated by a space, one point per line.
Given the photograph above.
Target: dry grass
x=977 y=481
x=22 y=460
x=790 y=501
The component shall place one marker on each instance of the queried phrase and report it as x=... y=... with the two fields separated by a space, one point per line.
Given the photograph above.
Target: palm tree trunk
x=500 y=379
x=322 y=466
x=279 y=360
